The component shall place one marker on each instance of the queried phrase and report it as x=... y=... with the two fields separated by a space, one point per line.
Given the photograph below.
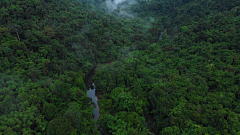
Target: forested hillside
x=186 y=82
x=46 y=49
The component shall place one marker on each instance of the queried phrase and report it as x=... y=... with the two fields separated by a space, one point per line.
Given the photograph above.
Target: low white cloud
x=120 y=6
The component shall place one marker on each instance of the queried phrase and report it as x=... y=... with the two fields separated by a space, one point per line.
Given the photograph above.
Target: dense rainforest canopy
x=186 y=81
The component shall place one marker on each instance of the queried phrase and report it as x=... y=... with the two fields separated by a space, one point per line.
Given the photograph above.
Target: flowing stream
x=91 y=93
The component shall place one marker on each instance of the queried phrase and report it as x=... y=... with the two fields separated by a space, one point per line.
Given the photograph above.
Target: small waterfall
x=160 y=37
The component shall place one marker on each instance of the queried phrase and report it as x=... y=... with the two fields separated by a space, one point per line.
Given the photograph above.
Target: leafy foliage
x=184 y=82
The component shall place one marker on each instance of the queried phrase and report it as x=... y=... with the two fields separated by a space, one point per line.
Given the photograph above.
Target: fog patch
x=120 y=6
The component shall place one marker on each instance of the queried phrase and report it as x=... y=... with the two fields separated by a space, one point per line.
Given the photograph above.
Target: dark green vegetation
x=187 y=83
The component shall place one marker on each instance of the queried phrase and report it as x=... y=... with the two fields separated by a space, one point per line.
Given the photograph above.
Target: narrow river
x=91 y=93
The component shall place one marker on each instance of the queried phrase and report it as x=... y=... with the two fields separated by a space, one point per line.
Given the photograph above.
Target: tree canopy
x=162 y=67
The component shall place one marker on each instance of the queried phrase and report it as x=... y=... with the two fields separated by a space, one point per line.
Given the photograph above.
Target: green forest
x=162 y=67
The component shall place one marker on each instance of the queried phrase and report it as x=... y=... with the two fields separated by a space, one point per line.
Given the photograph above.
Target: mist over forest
x=119 y=67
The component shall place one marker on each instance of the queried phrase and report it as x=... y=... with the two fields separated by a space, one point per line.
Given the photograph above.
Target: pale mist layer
x=115 y=5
